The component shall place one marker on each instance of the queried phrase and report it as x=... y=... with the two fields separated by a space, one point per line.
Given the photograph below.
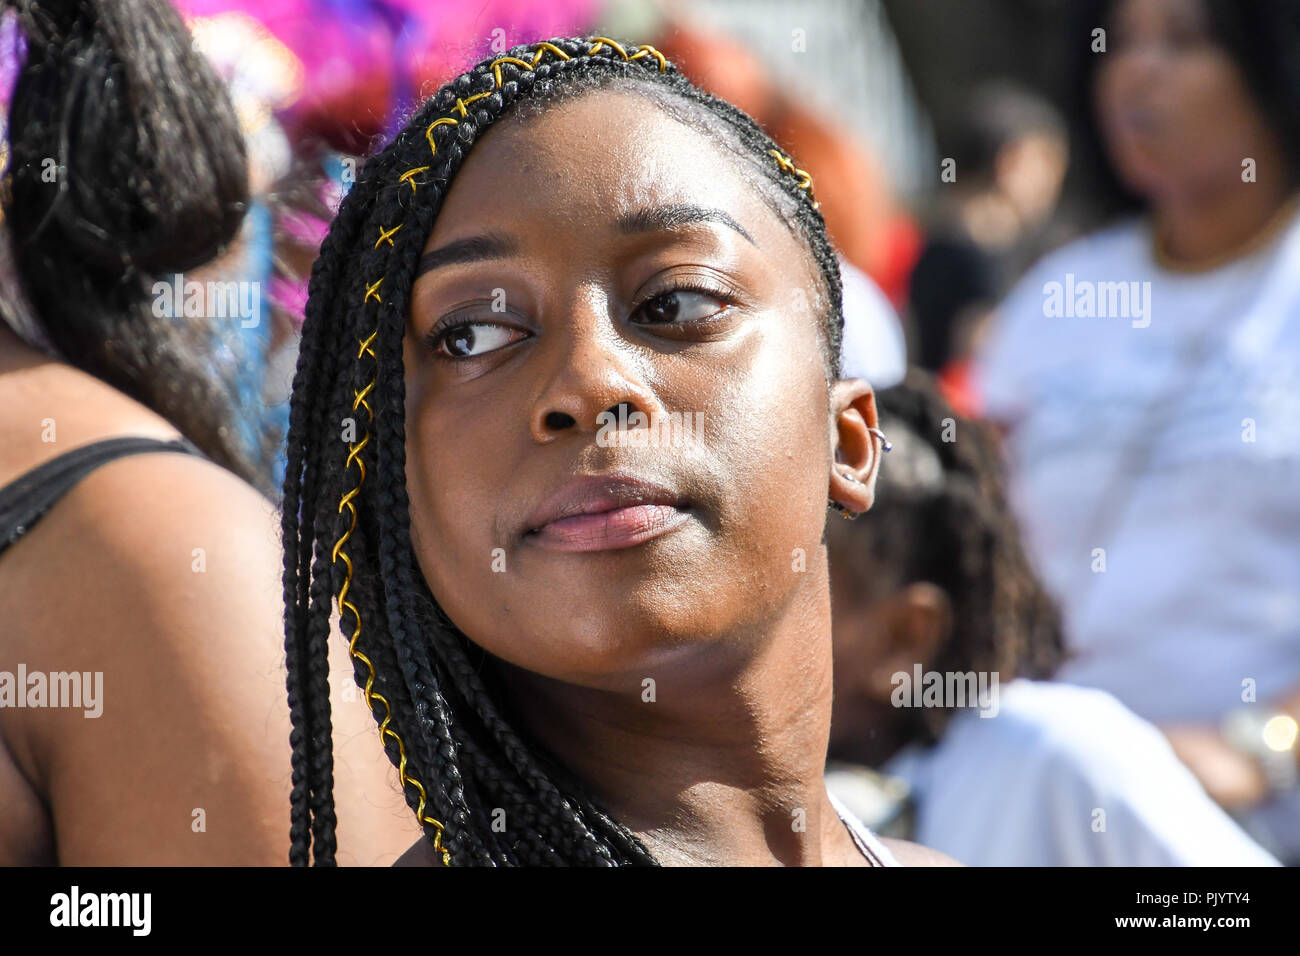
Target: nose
x=592 y=372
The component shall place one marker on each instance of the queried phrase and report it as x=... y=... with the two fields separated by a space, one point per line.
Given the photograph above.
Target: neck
x=726 y=766
x=1204 y=230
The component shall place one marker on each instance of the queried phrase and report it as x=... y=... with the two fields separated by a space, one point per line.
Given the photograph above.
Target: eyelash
x=719 y=291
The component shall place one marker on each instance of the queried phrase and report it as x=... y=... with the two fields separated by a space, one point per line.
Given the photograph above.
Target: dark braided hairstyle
x=152 y=179
x=444 y=720
x=941 y=516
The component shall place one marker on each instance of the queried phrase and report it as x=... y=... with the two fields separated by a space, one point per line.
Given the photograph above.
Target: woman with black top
x=151 y=577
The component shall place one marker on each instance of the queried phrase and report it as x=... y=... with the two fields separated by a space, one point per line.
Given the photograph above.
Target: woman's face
x=597 y=255
x=1173 y=107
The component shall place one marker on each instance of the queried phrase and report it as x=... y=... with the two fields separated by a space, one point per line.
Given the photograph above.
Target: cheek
x=1203 y=116
x=761 y=469
x=779 y=439
x=1211 y=105
x=453 y=481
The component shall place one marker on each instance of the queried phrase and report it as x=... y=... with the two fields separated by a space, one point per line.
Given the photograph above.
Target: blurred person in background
x=1032 y=773
x=1148 y=377
x=138 y=556
x=874 y=347
x=1008 y=151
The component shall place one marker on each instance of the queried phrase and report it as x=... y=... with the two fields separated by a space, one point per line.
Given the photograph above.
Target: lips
x=603 y=513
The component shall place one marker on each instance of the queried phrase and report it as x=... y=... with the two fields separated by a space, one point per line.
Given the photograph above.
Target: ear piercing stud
x=885 y=442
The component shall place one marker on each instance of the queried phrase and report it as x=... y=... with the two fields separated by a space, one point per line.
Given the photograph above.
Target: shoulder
x=157 y=579
x=1124 y=241
x=1057 y=741
x=1120 y=244
x=913 y=854
x=53 y=407
x=1078 y=724
x=1063 y=723
x=174 y=531
x=153 y=542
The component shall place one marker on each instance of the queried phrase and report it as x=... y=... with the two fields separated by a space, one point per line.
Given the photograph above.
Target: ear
x=855 y=451
x=917 y=622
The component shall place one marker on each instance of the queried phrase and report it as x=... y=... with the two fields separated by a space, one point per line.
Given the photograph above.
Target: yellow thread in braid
x=386 y=235
x=372 y=291
x=461 y=104
x=385 y=731
x=539 y=50
x=496 y=66
x=805 y=178
x=406 y=176
x=645 y=49
x=428 y=133
x=543 y=47
x=598 y=41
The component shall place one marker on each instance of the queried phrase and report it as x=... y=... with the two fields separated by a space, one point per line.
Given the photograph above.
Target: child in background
x=1029 y=772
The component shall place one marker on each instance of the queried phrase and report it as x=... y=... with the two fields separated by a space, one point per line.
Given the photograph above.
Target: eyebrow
x=658 y=218
x=650 y=219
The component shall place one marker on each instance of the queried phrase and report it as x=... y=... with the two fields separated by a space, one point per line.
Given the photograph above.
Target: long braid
x=447 y=729
x=311 y=443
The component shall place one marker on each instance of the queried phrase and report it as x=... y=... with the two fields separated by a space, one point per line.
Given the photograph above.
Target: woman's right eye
x=473 y=339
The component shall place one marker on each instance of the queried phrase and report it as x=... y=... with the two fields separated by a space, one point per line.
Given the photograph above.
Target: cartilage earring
x=886 y=444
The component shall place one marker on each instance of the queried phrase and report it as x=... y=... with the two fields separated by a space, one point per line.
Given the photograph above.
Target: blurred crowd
x=1083 y=327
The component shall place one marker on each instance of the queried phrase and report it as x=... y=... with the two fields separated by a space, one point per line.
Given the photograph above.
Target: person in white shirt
x=873 y=346
x=1148 y=380
x=939 y=627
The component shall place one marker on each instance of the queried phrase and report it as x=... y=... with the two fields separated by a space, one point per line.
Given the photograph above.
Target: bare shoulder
x=157 y=578
x=52 y=408
x=913 y=854
x=157 y=538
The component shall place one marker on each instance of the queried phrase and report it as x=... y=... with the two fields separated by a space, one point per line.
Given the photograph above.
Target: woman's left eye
x=472 y=339
x=679 y=306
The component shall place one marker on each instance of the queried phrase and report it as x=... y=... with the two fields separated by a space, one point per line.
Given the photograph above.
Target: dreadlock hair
x=941 y=516
x=151 y=180
x=445 y=722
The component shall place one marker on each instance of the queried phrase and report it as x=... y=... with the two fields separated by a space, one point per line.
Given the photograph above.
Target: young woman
x=1149 y=379
x=583 y=646
x=140 y=660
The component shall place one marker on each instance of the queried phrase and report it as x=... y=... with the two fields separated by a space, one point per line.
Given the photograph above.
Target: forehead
x=590 y=159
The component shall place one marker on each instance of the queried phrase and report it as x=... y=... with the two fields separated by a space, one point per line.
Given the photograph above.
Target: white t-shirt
x=1064 y=776
x=1200 y=542
x=873 y=347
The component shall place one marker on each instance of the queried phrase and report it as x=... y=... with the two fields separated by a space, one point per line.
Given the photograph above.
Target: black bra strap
x=26 y=499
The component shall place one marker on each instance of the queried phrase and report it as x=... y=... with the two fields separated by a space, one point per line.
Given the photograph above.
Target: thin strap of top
x=867 y=842
x=27 y=499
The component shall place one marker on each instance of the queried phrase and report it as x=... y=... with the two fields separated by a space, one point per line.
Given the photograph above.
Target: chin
x=616 y=646
x=1141 y=171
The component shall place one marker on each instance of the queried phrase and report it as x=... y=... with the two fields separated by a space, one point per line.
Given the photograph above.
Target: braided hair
x=152 y=179
x=941 y=515
x=462 y=755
